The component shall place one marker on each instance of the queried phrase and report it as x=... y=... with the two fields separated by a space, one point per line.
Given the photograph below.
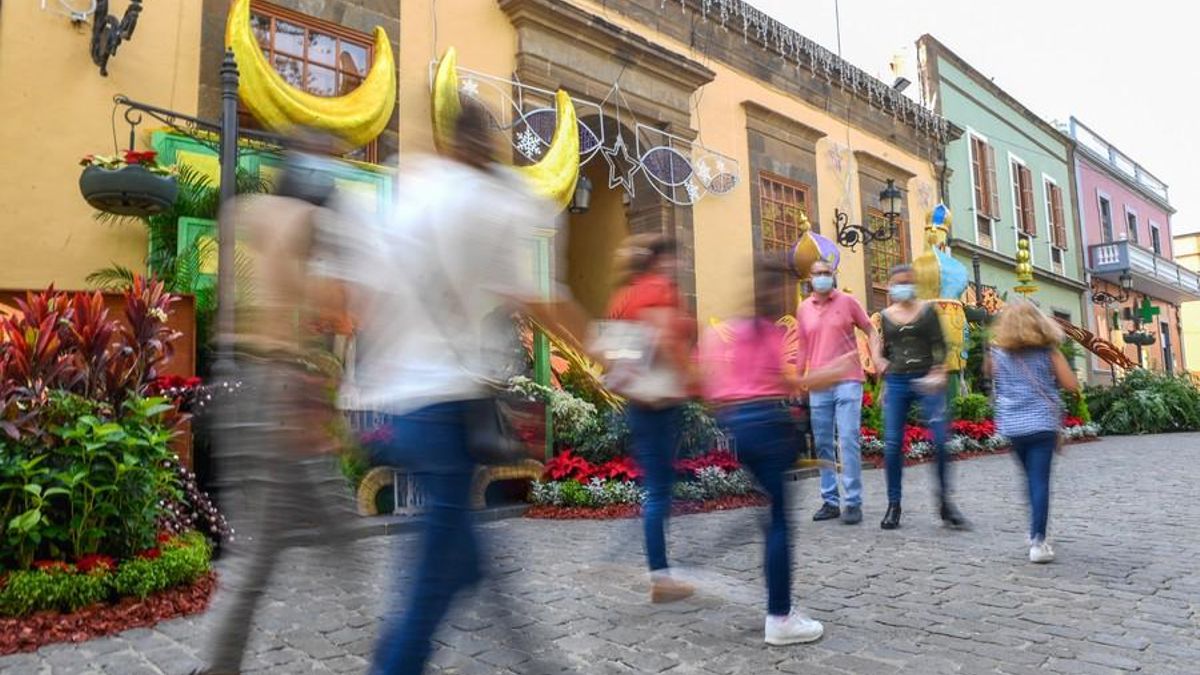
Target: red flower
x=95 y=561
x=621 y=468
x=164 y=537
x=150 y=553
x=867 y=399
x=51 y=566
x=914 y=434
x=140 y=157
x=567 y=465
x=868 y=434
x=717 y=458
x=975 y=430
x=1072 y=421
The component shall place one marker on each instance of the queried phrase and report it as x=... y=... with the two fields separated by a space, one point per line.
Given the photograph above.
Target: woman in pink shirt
x=749 y=383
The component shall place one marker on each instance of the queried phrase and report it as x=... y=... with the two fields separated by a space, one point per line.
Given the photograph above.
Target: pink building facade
x=1125 y=214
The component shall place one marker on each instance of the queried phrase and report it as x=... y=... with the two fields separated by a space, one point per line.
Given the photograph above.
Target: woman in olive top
x=912 y=353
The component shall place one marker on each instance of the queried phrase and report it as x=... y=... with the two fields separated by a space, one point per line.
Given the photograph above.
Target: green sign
x=1148 y=311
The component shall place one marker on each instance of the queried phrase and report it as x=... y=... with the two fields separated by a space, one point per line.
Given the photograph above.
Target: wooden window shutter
x=1060 y=225
x=993 y=192
x=1028 y=214
x=979 y=176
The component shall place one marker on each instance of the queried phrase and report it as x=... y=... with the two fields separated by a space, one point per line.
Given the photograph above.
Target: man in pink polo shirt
x=826 y=322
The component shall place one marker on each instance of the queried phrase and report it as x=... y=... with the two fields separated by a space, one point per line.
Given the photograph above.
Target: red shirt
x=653 y=291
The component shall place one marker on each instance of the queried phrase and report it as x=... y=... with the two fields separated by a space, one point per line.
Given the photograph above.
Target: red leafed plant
x=621 y=468
x=868 y=434
x=978 y=431
x=914 y=434
x=95 y=561
x=569 y=465
x=717 y=458
x=1070 y=421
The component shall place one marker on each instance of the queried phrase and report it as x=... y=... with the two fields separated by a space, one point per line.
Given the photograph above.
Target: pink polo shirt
x=745 y=364
x=826 y=331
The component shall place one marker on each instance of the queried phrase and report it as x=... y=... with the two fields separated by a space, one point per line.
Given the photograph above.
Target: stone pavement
x=570 y=596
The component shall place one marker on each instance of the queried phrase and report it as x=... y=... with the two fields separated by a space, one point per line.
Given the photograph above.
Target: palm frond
x=114 y=278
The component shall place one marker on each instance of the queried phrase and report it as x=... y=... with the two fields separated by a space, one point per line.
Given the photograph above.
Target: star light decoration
x=621 y=166
x=469 y=88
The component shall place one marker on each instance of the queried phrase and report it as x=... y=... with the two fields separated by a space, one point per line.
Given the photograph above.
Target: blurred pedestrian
x=649 y=298
x=826 y=321
x=275 y=475
x=453 y=254
x=911 y=357
x=1027 y=371
x=749 y=383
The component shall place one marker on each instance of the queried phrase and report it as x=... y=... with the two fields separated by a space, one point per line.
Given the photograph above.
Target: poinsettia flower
x=95 y=561
x=51 y=566
x=152 y=553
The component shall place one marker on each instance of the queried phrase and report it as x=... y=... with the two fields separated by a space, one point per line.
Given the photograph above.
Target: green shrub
x=1146 y=403
x=972 y=407
x=28 y=591
x=573 y=494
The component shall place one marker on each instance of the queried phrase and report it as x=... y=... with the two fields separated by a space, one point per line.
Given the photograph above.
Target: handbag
x=503 y=427
x=633 y=369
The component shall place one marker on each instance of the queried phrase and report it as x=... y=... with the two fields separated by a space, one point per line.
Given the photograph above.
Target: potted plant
x=1141 y=338
x=132 y=184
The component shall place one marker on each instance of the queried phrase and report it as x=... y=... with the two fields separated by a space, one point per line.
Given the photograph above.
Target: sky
x=1125 y=69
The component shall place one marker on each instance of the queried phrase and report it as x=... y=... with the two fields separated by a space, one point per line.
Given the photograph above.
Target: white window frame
x=1018 y=224
x=1104 y=196
x=971 y=133
x=1154 y=227
x=1134 y=238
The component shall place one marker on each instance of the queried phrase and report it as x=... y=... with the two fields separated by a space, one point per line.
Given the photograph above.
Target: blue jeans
x=654 y=433
x=1036 y=454
x=431 y=443
x=767 y=444
x=898 y=397
x=839 y=405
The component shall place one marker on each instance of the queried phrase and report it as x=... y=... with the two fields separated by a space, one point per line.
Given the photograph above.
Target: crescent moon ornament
x=553 y=177
x=357 y=117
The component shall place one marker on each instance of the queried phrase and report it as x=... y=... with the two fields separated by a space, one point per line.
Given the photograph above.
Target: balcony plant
x=129 y=184
x=1141 y=338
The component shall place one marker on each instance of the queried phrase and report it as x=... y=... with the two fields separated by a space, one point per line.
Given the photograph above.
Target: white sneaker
x=794 y=628
x=1040 y=552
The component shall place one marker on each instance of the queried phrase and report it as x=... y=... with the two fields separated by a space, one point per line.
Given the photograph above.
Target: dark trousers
x=767 y=443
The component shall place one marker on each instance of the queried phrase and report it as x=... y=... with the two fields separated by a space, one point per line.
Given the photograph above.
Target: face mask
x=822 y=284
x=902 y=292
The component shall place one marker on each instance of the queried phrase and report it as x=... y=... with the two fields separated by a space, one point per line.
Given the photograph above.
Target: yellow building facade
x=800 y=130
x=1187 y=253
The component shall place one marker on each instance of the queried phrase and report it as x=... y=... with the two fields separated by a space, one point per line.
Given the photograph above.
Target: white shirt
x=458 y=244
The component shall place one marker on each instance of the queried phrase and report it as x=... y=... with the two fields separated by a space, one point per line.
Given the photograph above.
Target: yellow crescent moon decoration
x=357 y=117
x=552 y=177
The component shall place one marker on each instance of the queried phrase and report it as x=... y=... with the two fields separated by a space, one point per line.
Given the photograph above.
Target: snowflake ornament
x=529 y=144
x=693 y=191
x=469 y=88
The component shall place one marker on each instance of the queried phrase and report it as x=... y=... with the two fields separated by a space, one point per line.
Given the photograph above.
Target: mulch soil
x=27 y=633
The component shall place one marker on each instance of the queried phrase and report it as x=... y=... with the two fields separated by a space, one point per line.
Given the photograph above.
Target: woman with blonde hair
x=1027 y=370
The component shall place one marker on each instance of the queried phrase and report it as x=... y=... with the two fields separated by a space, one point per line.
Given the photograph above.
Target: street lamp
x=582 y=199
x=851 y=235
x=1104 y=298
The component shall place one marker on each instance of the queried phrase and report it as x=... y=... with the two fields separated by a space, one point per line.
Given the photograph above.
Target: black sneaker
x=852 y=515
x=827 y=512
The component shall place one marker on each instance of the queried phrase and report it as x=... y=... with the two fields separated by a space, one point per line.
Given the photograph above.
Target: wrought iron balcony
x=1152 y=274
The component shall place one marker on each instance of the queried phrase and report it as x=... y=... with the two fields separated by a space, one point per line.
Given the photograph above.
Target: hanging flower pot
x=1140 y=338
x=977 y=315
x=131 y=185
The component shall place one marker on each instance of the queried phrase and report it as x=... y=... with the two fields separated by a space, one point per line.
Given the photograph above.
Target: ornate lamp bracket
x=108 y=32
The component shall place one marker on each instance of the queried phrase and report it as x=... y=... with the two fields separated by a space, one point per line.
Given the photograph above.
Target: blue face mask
x=902 y=292
x=822 y=284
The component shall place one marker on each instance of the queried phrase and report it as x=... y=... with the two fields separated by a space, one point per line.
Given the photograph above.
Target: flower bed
x=97 y=595
x=967 y=439
x=577 y=488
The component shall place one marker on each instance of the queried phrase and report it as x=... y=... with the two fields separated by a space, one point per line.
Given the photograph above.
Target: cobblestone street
x=571 y=596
